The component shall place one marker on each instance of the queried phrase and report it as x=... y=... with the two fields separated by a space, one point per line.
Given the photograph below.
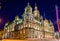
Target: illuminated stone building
x=31 y=26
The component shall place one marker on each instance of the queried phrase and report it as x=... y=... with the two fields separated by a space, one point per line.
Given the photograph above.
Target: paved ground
x=30 y=40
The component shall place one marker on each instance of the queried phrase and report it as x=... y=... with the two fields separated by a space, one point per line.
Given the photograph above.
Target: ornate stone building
x=31 y=26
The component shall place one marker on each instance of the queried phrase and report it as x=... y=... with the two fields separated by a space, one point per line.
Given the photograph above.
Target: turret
x=36 y=11
x=17 y=20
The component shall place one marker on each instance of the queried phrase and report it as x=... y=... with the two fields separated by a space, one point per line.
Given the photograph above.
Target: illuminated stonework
x=31 y=26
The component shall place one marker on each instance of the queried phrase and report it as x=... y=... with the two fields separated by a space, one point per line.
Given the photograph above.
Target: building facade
x=31 y=26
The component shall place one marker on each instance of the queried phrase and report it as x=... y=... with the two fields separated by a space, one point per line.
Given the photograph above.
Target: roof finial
x=44 y=15
x=28 y=4
x=35 y=6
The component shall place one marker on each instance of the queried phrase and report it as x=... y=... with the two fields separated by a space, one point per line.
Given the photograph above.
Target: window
x=35 y=36
x=23 y=31
x=20 y=32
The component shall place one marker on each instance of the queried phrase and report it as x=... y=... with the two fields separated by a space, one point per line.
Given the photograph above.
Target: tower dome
x=28 y=9
x=36 y=11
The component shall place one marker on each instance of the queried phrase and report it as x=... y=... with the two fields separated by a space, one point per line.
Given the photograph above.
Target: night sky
x=11 y=8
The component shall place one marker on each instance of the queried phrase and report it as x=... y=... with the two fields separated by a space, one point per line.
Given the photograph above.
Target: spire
x=28 y=4
x=36 y=6
x=44 y=15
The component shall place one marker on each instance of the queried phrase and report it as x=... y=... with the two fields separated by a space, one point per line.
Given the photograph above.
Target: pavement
x=31 y=40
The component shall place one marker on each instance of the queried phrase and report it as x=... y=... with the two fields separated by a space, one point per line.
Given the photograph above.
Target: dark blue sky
x=11 y=8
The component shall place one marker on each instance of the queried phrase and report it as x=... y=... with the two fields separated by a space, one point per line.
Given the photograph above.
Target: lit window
x=29 y=24
x=23 y=31
x=20 y=32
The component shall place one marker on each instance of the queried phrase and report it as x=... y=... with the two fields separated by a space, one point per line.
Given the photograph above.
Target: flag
x=59 y=25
